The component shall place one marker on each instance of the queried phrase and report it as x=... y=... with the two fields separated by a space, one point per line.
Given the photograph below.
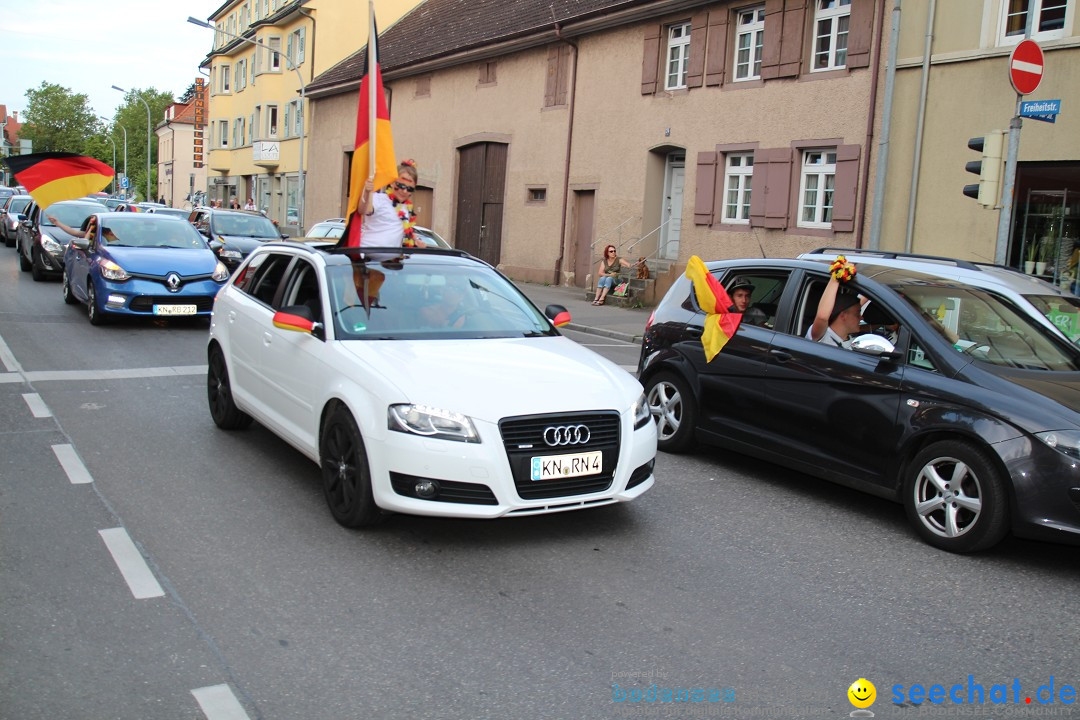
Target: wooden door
x=480 y=189
x=586 y=257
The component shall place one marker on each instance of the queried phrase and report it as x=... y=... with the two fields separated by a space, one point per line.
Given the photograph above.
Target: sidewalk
x=607 y=320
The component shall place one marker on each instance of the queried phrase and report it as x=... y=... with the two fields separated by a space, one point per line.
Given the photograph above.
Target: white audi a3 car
x=422 y=381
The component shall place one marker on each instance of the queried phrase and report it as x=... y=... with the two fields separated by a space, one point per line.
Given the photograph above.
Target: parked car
x=41 y=244
x=171 y=212
x=142 y=265
x=335 y=228
x=971 y=419
x=329 y=348
x=1051 y=305
x=233 y=234
x=10 y=209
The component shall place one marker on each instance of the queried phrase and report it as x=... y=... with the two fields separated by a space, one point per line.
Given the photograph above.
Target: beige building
x=968 y=94
x=665 y=128
x=264 y=53
x=178 y=176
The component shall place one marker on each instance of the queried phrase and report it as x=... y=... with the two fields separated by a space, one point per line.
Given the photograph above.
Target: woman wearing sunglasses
x=607 y=272
x=388 y=215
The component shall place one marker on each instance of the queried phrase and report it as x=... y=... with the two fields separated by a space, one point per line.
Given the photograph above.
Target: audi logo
x=566 y=435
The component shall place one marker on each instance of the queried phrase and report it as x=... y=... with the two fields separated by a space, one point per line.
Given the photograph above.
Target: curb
x=604 y=332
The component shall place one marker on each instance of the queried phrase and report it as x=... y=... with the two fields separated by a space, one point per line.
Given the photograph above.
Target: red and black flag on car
x=54 y=176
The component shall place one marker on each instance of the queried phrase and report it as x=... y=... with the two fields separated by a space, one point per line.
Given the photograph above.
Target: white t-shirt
x=830 y=338
x=382 y=228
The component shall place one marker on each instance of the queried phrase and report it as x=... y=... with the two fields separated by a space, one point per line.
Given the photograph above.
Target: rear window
x=255 y=226
x=1062 y=310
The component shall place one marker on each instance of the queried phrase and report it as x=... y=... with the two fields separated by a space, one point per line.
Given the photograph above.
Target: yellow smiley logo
x=862 y=693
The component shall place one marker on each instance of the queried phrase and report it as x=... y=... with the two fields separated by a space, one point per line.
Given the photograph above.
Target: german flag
x=288 y=321
x=720 y=325
x=372 y=131
x=54 y=176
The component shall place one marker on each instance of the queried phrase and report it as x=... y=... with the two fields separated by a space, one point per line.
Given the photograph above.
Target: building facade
x=265 y=53
x=667 y=129
x=178 y=176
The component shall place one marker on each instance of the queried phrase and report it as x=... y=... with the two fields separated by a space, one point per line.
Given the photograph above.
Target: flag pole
x=372 y=64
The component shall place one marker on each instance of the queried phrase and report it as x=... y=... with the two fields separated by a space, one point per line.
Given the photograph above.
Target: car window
x=988 y=328
x=17 y=204
x=244 y=225
x=262 y=276
x=327 y=230
x=767 y=289
x=918 y=357
x=1062 y=310
x=415 y=299
x=149 y=232
x=303 y=289
x=71 y=215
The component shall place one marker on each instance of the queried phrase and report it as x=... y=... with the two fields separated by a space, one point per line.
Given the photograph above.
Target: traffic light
x=987 y=190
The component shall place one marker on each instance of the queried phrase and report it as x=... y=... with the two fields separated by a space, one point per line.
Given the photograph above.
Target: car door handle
x=781 y=355
x=232 y=316
x=267 y=337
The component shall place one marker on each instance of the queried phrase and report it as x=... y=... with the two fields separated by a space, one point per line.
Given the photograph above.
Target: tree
x=58 y=120
x=132 y=115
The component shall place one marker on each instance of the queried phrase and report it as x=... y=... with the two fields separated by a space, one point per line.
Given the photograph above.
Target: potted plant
x=1030 y=253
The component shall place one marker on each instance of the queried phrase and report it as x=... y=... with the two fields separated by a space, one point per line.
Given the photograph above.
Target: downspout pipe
x=870 y=117
x=569 y=147
x=917 y=160
x=886 y=129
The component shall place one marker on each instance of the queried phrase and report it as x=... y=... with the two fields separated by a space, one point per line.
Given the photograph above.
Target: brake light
x=649 y=322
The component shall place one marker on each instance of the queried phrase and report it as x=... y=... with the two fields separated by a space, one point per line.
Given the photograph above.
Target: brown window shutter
x=770 y=50
x=845 y=189
x=650 y=61
x=860 y=33
x=706 y=184
x=772 y=188
x=563 y=75
x=695 y=69
x=791 y=41
x=552 y=83
x=716 y=47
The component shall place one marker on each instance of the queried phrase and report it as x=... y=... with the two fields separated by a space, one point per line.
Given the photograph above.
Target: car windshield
x=255 y=226
x=149 y=232
x=430 y=238
x=172 y=212
x=988 y=328
x=71 y=215
x=327 y=230
x=1062 y=310
x=422 y=299
x=18 y=204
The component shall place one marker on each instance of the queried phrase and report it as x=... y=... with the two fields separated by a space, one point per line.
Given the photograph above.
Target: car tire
x=345 y=471
x=36 y=271
x=24 y=264
x=93 y=312
x=65 y=289
x=219 y=394
x=674 y=410
x=9 y=241
x=955 y=496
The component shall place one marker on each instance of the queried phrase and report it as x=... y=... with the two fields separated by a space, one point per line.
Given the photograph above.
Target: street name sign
x=1045 y=110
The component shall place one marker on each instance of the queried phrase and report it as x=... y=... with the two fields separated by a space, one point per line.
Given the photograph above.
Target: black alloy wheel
x=674 y=409
x=956 y=497
x=37 y=271
x=219 y=394
x=345 y=472
x=24 y=264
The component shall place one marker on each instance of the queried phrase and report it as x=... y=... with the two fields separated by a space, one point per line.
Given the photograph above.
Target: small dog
x=642 y=269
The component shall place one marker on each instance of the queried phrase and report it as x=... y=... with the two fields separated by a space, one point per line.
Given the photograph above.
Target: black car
x=41 y=244
x=971 y=418
x=234 y=233
x=11 y=208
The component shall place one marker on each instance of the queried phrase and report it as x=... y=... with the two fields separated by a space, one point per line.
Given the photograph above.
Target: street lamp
x=125 y=153
x=100 y=117
x=148 y=132
x=303 y=111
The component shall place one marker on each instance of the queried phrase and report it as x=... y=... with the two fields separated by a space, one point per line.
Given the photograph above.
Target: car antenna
x=757 y=238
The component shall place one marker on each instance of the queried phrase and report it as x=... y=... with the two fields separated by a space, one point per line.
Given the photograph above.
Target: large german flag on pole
x=373 y=156
x=54 y=176
x=720 y=324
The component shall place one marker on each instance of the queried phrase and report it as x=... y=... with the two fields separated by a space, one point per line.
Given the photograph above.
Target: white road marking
x=10 y=363
x=124 y=374
x=73 y=466
x=1027 y=67
x=219 y=703
x=11 y=377
x=37 y=405
x=132 y=566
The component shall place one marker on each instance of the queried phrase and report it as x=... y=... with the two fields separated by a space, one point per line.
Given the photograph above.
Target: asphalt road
x=239 y=597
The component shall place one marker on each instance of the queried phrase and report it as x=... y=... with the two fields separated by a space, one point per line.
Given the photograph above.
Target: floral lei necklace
x=404 y=212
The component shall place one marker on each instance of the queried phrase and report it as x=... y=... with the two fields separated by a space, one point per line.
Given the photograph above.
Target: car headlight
x=112 y=271
x=235 y=254
x=221 y=273
x=1066 y=442
x=50 y=245
x=641 y=412
x=431 y=422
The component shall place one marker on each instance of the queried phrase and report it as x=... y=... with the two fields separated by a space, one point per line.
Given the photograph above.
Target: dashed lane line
x=37 y=406
x=73 y=466
x=219 y=703
x=132 y=565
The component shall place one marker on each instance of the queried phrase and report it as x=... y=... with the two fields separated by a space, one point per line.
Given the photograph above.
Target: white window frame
x=749 y=39
x=829 y=16
x=223 y=133
x=273 y=121
x=676 y=66
x=817 y=187
x=225 y=73
x=1004 y=38
x=273 y=63
x=738 y=174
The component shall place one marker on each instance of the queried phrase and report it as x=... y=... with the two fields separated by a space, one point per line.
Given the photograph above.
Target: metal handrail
x=614 y=229
x=654 y=230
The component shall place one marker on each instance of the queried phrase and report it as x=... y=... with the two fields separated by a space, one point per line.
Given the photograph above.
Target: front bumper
x=139 y=297
x=476 y=480
x=1046 y=490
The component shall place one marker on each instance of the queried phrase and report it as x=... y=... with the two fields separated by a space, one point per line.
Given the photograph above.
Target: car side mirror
x=875 y=345
x=298 y=318
x=21 y=217
x=557 y=314
x=81 y=243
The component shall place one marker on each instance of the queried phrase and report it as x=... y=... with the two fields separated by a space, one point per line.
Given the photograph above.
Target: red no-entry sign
x=1026 y=66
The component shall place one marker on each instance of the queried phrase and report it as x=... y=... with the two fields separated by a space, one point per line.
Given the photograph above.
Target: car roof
x=334 y=255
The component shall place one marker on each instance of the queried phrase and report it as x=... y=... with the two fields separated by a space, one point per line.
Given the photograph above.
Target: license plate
x=550 y=467
x=175 y=309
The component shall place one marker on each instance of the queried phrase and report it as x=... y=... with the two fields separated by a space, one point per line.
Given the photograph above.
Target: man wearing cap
x=838 y=316
x=740 y=291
